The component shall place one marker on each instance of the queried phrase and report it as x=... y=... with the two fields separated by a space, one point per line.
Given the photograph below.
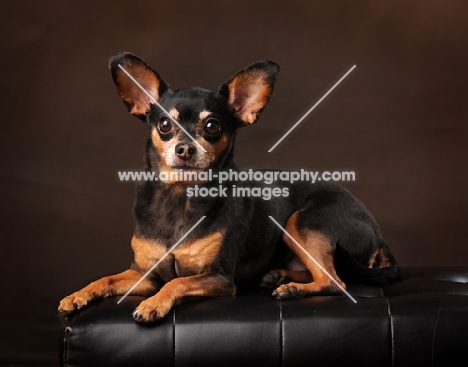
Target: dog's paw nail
x=137 y=316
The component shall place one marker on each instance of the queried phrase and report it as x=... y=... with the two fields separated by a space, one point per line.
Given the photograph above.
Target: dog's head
x=192 y=128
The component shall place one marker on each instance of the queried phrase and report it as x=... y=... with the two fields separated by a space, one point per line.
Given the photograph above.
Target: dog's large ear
x=250 y=89
x=137 y=101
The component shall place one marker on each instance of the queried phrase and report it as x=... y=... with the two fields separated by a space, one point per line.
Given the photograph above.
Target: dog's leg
x=173 y=292
x=113 y=285
x=319 y=247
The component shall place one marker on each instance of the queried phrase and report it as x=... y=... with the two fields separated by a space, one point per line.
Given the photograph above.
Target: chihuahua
x=236 y=244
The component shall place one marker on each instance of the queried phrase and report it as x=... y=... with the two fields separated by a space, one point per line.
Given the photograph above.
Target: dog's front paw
x=73 y=302
x=151 y=310
x=286 y=291
x=272 y=280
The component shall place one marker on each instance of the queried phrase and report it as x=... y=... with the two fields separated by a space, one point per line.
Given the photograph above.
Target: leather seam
x=392 y=332
x=281 y=333
x=174 y=335
x=65 y=345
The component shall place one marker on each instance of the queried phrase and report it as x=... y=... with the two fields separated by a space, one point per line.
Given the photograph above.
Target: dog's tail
x=351 y=271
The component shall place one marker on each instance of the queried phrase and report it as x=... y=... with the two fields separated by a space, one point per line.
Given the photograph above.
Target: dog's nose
x=185 y=150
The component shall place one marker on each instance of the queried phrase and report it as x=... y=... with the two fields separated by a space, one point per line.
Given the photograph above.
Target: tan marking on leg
x=173 y=292
x=300 y=276
x=114 y=285
x=320 y=248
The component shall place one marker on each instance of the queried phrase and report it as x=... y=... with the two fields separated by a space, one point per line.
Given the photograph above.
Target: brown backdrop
x=398 y=121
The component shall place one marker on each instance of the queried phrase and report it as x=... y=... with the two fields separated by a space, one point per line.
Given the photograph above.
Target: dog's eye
x=212 y=126
x=165 y=125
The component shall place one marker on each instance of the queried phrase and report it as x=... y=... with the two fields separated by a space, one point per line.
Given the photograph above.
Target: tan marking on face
x=174 y=113
x=201 y=160
x=170 y=161
x=163 y=147
x=159 y=144
x=169 y=165
x=219 y=147
x=213 y=151
x=166 y=150
x=203 y=115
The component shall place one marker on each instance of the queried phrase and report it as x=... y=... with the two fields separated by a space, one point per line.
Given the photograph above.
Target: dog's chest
x=189 y=258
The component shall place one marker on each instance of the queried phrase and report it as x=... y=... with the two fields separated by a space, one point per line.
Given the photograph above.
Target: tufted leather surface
x=420 y=321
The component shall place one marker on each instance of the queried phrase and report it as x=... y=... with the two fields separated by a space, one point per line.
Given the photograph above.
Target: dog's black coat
x=237 y=242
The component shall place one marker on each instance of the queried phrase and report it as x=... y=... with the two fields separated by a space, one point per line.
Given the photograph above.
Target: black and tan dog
x=237 y=242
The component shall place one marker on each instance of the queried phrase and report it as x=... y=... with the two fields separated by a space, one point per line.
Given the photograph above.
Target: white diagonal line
x=161 y=107
x=311 y=257
x=307 y=113
x=161 y=259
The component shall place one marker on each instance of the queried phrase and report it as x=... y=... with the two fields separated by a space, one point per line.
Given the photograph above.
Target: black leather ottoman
x=420 y=321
